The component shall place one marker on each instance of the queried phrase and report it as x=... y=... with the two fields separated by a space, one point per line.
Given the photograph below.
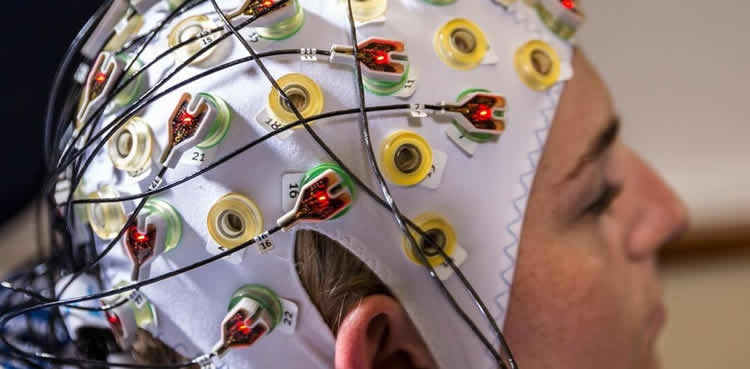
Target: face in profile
x=586 y=293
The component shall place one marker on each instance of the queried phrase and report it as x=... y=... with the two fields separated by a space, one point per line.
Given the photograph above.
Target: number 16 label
x=290 y=186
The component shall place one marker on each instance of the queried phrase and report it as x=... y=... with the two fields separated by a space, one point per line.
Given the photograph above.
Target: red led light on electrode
x=570 y=4
x=186 y=118
x=113 y=319
x=242 y=327
x=141 y=237
x=381 y=57
x=483 y=113
x=100 y=77
x=267 y=3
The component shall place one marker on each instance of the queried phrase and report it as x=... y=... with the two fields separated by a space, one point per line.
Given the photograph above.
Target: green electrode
x=265 y=297
x=476 y=137
x=346 y=181
x=170 y=215
x=220 y=125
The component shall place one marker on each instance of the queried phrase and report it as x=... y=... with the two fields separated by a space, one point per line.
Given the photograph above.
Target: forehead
x=584 y=111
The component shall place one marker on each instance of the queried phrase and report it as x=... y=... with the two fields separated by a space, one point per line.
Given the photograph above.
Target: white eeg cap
x=483 y=196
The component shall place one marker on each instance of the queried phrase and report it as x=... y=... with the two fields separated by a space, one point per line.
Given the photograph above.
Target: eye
x=604 y=200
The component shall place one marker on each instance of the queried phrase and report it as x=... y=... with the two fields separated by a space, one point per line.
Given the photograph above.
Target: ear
x=378 y=333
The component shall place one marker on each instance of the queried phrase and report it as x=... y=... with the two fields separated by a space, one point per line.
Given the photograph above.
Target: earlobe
x=378 y=333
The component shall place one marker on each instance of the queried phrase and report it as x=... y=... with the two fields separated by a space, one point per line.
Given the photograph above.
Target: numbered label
x=199 y=157
x=206 y=38
x=259 y=42
x=263 y=243
x=435 y=177
x=410 y=86
x=288 y=322
x=137 y=298
x=308 y=55
x=290 y=186
x=444 y=271
x=464 y=143
x=271 y=124
x=253 y=37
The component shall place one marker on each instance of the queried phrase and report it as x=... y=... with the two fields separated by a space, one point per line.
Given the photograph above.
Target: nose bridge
x=661 y=216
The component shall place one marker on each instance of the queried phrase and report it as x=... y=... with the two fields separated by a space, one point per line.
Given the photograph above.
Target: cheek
x=570 y=300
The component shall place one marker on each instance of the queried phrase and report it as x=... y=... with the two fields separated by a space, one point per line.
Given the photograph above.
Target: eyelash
x=604 y=200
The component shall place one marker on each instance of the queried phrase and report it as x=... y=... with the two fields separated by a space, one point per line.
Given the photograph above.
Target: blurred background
x=678 y=73
x=677 y=70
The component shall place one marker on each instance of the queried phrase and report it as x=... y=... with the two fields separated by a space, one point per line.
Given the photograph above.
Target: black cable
x=122 y=120
x=305 y=123
x=58 y=360
x=119 y=121
x=397 y=216
x=140 y=38
x=95 y=117
x=134 y=214
x=36 y=296
x=119 y=88
x=114 y=241
x=239 y=151
x=62 y=71
x=217 y=69
x=341 y=164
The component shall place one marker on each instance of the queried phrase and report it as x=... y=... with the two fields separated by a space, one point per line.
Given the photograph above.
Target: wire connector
x=189 y=125
x=122 y=322
x=381 y=59
x=99 y=85
x=243 y=325
x=268 y=12
x=321 y=199
x=206 y=361
x=143 y=242
x=478 y=112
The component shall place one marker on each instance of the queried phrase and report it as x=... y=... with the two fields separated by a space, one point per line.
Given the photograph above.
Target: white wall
x=679 y=73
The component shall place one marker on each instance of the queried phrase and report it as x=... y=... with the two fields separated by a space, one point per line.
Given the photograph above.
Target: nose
x=659 y=216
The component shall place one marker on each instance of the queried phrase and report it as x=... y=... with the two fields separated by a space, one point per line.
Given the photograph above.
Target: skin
x=586 y=293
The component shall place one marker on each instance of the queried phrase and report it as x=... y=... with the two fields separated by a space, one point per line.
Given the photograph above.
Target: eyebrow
x=598 y=146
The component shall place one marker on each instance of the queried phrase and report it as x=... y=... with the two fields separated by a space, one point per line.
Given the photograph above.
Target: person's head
x=577 y=244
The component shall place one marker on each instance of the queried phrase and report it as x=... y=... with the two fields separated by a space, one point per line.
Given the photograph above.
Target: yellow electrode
x=406 y=158
x=233 y=220
x=461 y=44
x=302 y=91
x=442 y=234
x=538 y=65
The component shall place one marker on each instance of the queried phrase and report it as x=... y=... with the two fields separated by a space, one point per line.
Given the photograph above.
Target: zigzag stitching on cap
x=533 y=156
x=522 y=19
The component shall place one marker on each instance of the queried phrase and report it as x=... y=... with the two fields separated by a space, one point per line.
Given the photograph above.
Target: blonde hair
x=334 y=278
